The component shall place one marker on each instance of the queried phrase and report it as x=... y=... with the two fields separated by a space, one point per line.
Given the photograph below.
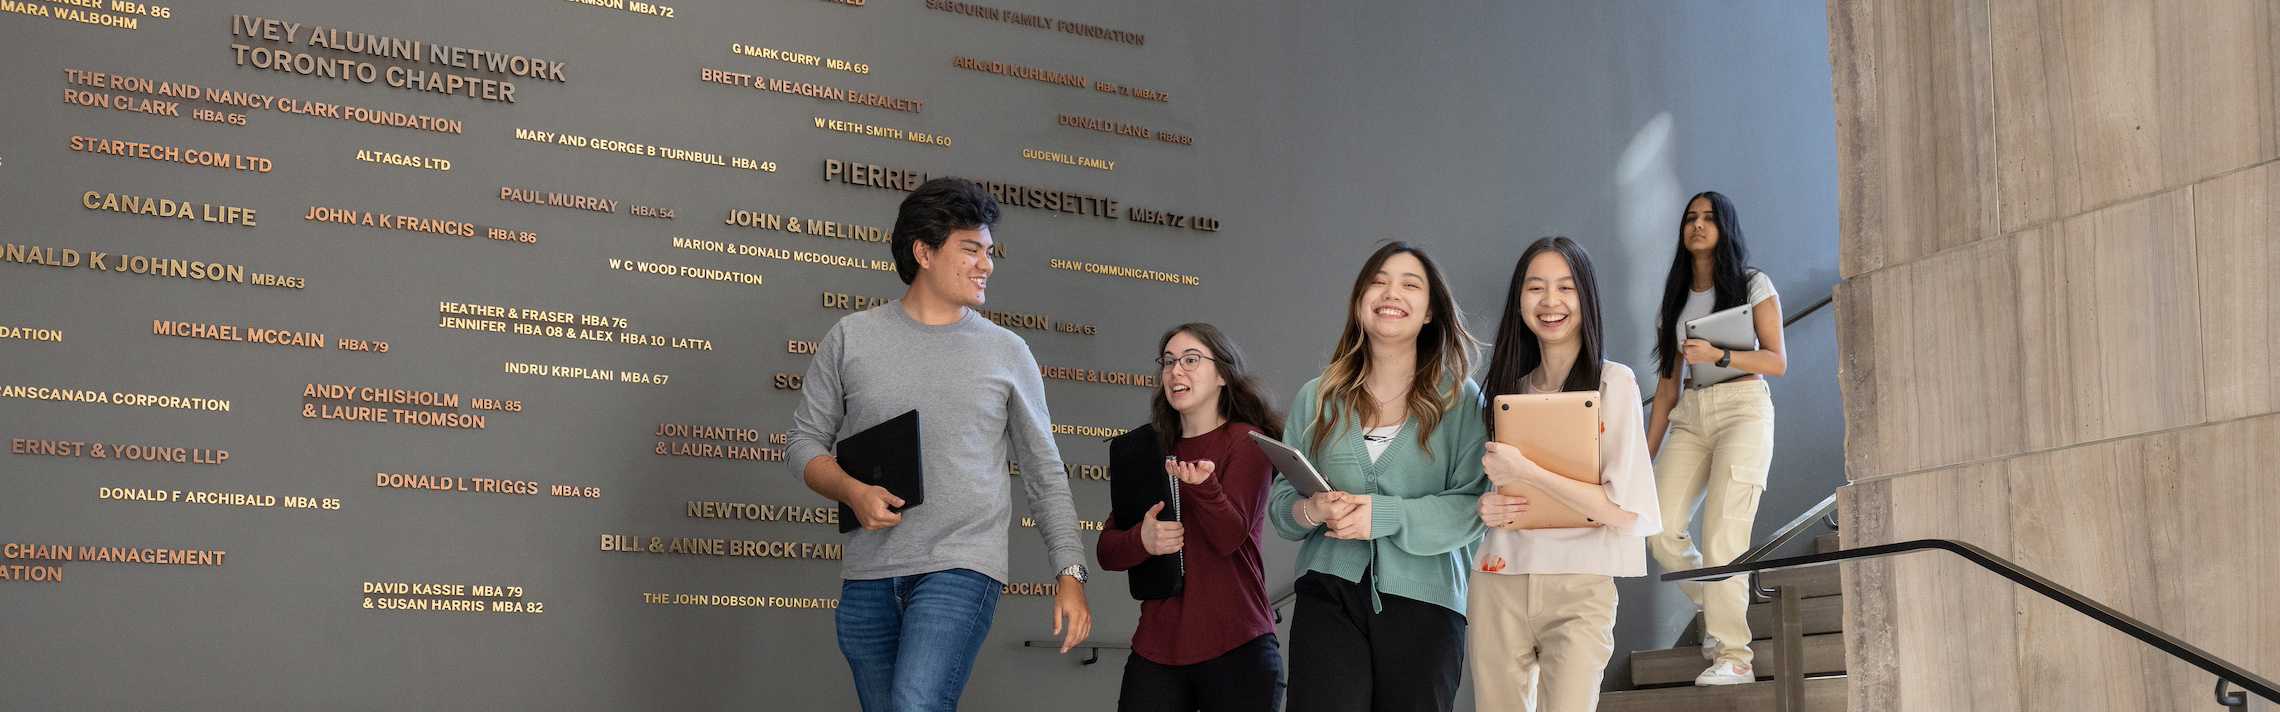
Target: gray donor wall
x=435 y=355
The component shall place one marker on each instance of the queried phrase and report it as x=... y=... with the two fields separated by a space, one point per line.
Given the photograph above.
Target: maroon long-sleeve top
x=1223 y=603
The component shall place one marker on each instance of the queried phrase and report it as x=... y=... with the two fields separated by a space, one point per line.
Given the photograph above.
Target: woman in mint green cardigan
x=1395 y=426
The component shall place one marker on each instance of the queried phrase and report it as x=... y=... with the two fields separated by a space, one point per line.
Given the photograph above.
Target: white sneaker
x=1726 y=672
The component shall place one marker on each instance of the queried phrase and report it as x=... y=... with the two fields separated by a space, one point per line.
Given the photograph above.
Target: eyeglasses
x=1187 y=362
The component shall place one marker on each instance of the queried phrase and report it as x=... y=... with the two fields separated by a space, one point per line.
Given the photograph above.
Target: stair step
x=1826 y=543
x=1675 y=666
x=1822 y=694
x=1825 y=614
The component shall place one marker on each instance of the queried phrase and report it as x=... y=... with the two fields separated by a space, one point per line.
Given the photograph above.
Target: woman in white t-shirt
x=1542 y=605
x=1719 y=416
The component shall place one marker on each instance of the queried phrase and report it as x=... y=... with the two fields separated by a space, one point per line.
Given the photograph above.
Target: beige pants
x=1717 y=452
x=1531 y=632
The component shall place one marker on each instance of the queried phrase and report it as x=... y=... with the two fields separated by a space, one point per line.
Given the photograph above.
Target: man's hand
x=1499 y=511
x=1159 y=537
x=1190 y=473
x=1355 y=522
x=1072 y=617
x=872 y=505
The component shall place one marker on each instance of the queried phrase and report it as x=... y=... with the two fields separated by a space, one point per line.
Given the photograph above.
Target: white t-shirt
x=1628 y=477
x=1700 y=304
x=1378 y=439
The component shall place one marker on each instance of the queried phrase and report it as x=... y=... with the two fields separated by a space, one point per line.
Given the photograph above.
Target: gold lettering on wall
x=472 y=484
x=779 y=253
x=167 y=153
x=217 y=498
x=636 y=7
x=125 y=16
x=1146 y=275
x=800 y=58
x=403 y=159
x=718 y=547
x=1037 y=22
x=32 y=333
x=178 y=92
x=433 y=226
x=884 y=132
x=750 y=512
x=1094 y=473
x=168 y=208
x=1120 y=128
x=440 y=597
x=149 y=555
x=114 y=450
x=1088 y=525
x=173 y=268
x=1088 y=431
x=1083 y=375
x=433 y=409
x=1030 y=589
x=118 y=398
x=820 y=92
x=743 y=601
x=661 y=269
x=1039 y=154
x=644 y=150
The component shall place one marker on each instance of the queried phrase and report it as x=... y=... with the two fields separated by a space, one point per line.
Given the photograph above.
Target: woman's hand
x=1505 y=465
x=1501 y=511
x=1699 y=352
x=1320 y=509
x=1189 y=473
x=1159 y=537
x=1355 y=522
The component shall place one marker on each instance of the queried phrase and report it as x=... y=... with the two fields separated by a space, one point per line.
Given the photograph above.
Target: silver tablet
x=1292 y=464
x=1731 y=329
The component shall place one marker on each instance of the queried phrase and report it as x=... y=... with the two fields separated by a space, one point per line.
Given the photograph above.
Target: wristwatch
x=1075 y=571
x=1725 y=358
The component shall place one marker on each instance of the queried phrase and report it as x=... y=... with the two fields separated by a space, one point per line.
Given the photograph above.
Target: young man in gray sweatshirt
x=920 y=587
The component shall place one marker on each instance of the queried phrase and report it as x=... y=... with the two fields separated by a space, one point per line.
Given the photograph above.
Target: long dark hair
x=1729 y=276
x=1517 y=350
x=1444 y=357
x=1239 y=402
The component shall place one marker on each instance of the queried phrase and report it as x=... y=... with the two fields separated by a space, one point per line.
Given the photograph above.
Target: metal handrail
x=2226 y=671
x=1788 y=532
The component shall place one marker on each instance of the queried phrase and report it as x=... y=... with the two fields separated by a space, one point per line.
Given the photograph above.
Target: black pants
x=1246 y=679
x=1344 y=657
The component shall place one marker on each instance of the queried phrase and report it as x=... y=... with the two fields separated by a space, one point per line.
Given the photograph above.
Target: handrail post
x=2240 y=700
x=1789 y=666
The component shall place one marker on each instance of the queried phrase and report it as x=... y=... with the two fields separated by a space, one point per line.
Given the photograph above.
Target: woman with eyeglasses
x=1211 y=647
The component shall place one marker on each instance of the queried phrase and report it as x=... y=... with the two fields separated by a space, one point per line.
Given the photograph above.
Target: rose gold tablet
x=1559 y=431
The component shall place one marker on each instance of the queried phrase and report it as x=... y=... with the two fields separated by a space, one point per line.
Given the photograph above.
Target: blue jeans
x=911 y=640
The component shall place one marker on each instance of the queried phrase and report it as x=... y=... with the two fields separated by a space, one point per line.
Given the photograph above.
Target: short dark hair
x=939 y=207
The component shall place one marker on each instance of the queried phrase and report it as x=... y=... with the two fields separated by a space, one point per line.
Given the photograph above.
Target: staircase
x=1664 y=679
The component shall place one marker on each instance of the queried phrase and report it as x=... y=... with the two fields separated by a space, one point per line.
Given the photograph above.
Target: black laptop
x=1136 y=482
x=886 y=455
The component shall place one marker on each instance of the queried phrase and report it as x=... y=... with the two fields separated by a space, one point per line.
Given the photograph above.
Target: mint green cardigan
x=1424 y=508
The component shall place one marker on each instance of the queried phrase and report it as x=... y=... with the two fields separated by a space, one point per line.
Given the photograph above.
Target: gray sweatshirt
x=977 y=391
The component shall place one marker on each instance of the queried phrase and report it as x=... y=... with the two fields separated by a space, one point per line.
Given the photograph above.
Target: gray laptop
x=1732 y=329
